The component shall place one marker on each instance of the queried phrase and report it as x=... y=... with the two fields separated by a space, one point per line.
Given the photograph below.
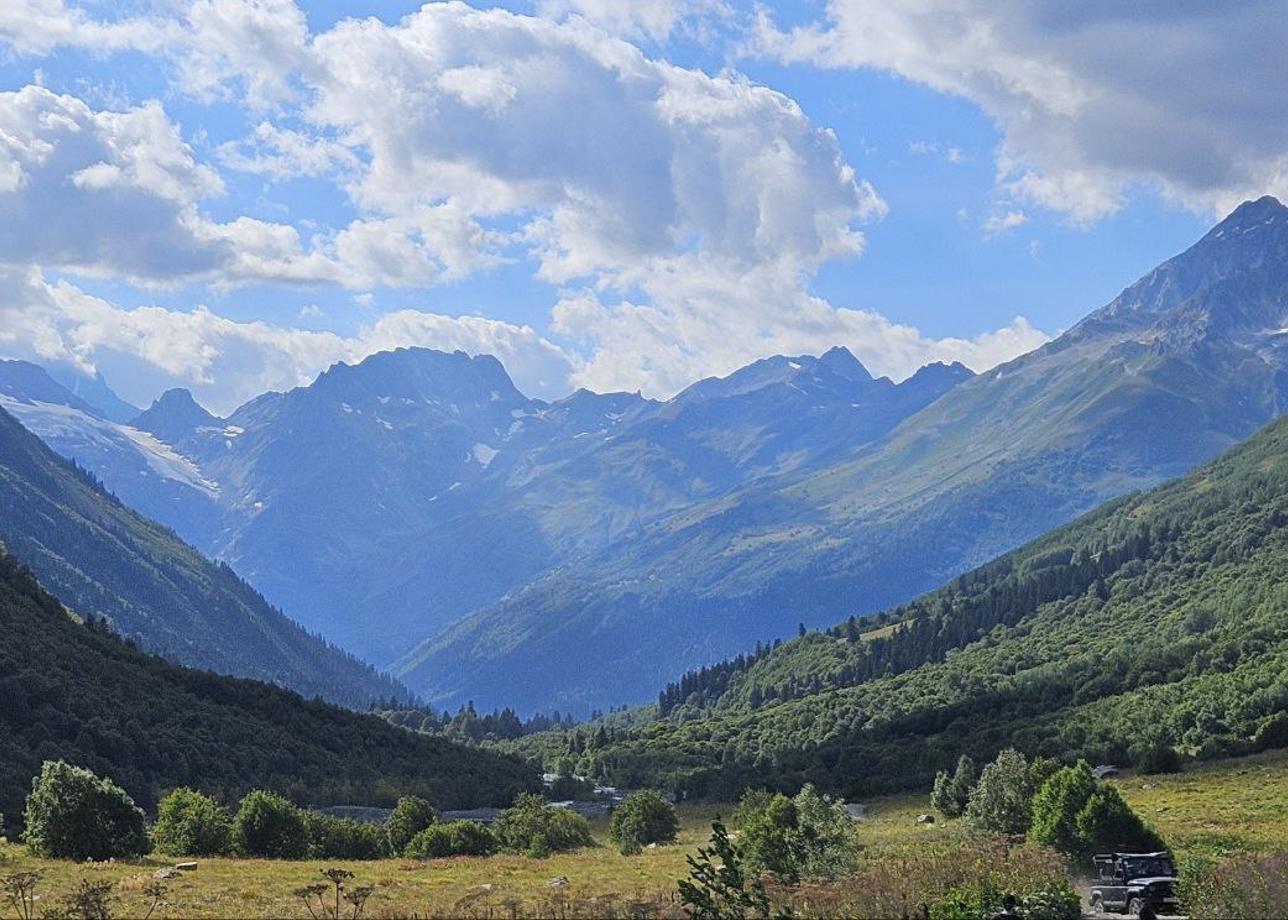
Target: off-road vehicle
x=1126 y=882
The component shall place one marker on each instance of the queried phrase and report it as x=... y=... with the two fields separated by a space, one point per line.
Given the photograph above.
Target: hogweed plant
x=20 y=891
x=323 y=901
x=88 y=901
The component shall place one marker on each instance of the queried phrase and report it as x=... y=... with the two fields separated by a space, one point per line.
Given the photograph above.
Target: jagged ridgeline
x=75 y=691
x=1160 y=619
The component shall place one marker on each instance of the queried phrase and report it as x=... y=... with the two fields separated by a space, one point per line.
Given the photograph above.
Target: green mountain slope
x=105 y=561
x=75 y=691
x=1181 y=366
x=1161 y=619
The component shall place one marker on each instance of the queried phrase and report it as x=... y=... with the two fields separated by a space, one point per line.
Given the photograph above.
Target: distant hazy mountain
x=174 y=417
x=95 y=392
x=135 y=464
x=106 y=561
x=1179 y=367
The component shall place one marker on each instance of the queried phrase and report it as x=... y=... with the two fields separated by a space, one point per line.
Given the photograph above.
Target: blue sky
x=230 y=195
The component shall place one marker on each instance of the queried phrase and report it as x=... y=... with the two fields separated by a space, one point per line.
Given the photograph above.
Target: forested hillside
x=75 y=691
x=1159 y=620
x=103 y=560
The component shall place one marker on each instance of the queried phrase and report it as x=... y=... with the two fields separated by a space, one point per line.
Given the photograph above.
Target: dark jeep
x=1126 y=882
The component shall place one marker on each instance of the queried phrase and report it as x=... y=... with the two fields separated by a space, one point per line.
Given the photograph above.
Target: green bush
x=720 y=885
x=452 y=838
x=72 y=814
x=809 y=836
x=1157 y=757
x=535 y=829
x=975 y=901
x=982 y=899
x=770 y=842
x=1272 y=733
x=270 y=827
x=951 y=793
x=753 y=802
x=1106 y=822
x=343 y=838
x=410 y=816
x=192 y=824
x=1076 y=815
x=825 y=833
x=645 y=817
x=1057 y=901
x=1002 y=800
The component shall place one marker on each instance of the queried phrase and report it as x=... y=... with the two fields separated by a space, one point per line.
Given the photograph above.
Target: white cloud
x=1002 y=221
x=687 y=332
x=226 y=362
x=39 y=26
x=100 y=192
x=686 y=214
x=1092 y=98
x=281 y=153
x=651 y=19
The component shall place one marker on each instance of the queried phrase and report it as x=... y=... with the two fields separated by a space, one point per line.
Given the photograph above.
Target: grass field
x=1225 y=808
x=1222 y=808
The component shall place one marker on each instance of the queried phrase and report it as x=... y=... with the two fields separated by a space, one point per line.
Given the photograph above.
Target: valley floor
x=1220 y=809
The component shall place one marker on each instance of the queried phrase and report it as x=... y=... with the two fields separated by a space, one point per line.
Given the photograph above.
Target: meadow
x=1218 y=809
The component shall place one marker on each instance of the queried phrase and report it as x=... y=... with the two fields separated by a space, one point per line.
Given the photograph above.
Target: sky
x=231 y=195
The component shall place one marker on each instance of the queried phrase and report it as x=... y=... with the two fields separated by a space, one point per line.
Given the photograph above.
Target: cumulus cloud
x=636 y=345
x=684 y=214
x=39 y=26
x=1004 y=220
x=1092 y=98
x=226 y=362
x=651 y=19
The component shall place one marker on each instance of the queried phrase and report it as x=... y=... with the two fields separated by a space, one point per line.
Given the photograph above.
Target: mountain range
x=1182 y=365
x=420 y=511
x=105 y=561
x=388 y=499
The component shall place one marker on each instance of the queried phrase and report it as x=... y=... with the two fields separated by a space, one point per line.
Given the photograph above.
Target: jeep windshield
x=1148 y=867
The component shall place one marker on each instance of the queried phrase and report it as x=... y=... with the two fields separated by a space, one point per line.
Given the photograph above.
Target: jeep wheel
x=1135 y=907
x=1097 y=904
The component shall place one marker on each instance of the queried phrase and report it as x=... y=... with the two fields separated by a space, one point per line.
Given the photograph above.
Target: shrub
x=808 y=836
x=1002 y=800
x=826 y=833
x=535 y=829
x=191 y=824
x=719 y=885
x=1077 y=815
x=645 y=817
x=330 y=837
x=1157 y=757
x=769 y=840
x=753 y=802
x=452 y=838
x=410 y=816
x=1056 y=807
x=1272 y=733
x=72 y=814
x=269 y=826
x=951 y=793
x=1106 y=822
x=982 y=898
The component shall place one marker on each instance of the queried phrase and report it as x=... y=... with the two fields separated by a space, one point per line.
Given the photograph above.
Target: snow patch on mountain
x=54 y=422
